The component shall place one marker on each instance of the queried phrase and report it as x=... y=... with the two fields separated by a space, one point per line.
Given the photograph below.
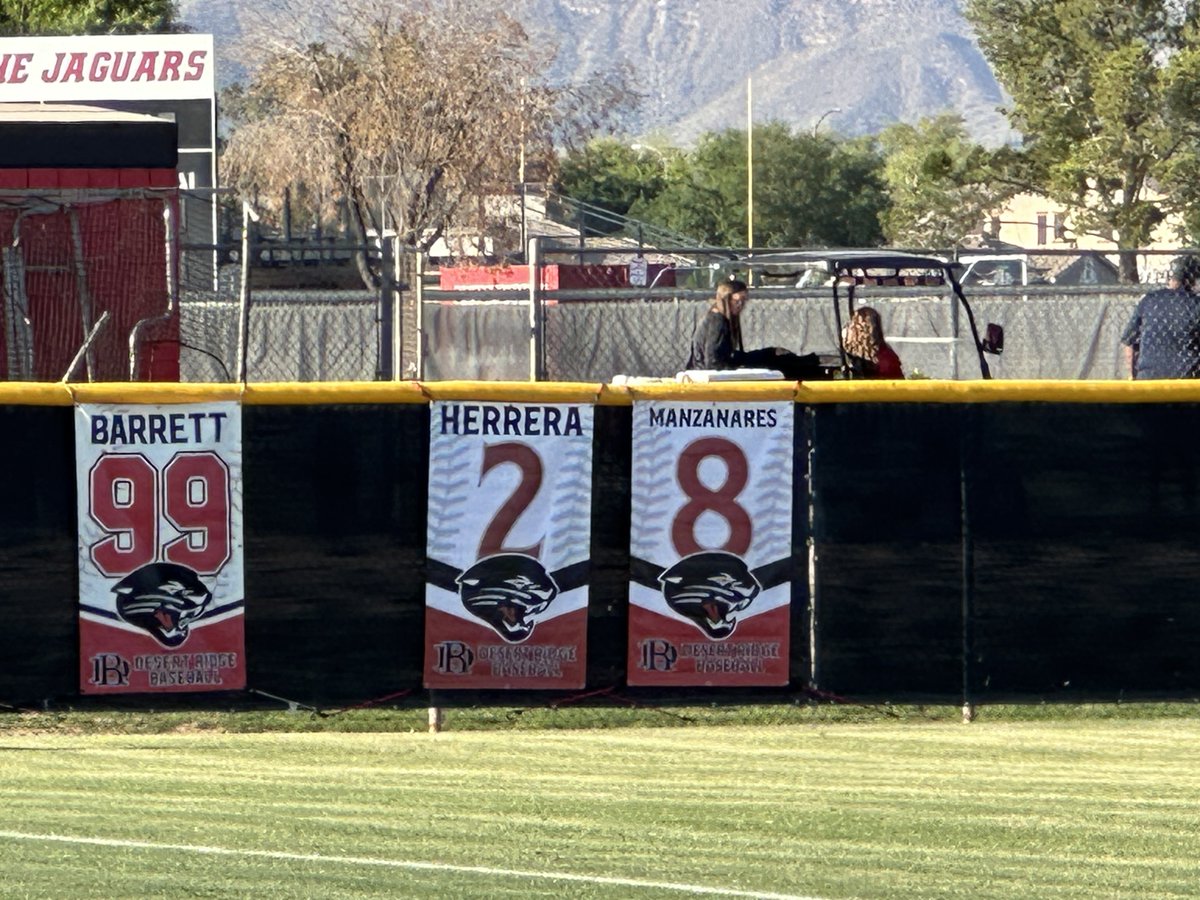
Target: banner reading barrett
x=508 y=545
x=161 y=591
x=710 y=543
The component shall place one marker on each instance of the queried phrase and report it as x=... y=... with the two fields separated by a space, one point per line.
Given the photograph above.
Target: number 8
x=722 y=501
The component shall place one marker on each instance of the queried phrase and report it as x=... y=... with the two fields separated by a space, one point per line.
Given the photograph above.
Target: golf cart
x=845 y=271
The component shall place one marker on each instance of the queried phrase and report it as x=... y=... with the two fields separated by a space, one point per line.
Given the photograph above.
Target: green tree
x=808 y=190
x=941 y=184
x=1105 y=93
x=18 y=17
x=705 y=195
x=612 y=175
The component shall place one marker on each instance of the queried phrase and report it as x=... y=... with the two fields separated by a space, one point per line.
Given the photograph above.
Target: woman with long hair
x=717 y=341
x=864 y=340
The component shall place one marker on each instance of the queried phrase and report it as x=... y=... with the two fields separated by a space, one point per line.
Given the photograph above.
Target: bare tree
x=412 y=114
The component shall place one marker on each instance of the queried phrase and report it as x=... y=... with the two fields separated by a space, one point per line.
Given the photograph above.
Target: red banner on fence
x=509 y=539
x=710 y=543
x=161 y=591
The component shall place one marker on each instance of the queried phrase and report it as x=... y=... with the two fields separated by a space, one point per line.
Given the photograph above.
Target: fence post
x=419 y=299
x=399 y=263
x=535 y=329
x=385 y=319
x=248 y=216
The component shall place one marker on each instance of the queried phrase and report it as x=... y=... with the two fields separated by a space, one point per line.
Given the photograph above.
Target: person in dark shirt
x=717 y=340
x=1162 y=339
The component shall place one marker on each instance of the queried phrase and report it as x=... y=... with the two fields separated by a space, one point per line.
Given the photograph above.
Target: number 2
x=529 y=463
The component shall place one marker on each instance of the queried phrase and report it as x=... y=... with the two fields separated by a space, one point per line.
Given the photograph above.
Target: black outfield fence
x=998 y=542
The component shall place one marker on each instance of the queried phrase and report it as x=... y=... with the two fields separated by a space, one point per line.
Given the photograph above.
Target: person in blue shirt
x=1162 y=339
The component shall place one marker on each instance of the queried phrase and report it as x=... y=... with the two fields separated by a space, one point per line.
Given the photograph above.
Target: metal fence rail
x=234 y=307
x=1051 y=332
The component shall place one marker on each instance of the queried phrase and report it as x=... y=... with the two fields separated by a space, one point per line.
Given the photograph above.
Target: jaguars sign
x=160 y=547
x=710 y=543
x=508 y=545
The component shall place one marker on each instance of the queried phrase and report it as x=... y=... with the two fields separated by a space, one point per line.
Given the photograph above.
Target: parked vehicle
x=845 y=271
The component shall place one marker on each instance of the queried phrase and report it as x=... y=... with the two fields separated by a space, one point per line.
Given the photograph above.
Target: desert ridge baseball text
x=161 y=571
x=508 y=545
x=710 y=543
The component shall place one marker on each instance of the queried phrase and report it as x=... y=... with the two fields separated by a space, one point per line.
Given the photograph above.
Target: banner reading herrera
x=710 y=543
x=161 y=592
x=508 y=546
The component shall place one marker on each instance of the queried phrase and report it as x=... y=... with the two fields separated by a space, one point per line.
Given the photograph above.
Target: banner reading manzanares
x=710 y=543
x=161 y=592
x=508 y=545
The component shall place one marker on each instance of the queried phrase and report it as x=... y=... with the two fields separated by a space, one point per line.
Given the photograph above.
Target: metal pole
x=749 y=164
x=535 y=278
x=397 y=311
x=383 y=365
x=84 y=293
x=248 y=216
x=582 y=230
x=524 y=202
x=419 y=297
x=85 y=347
x=169 y=247
x=955 y=329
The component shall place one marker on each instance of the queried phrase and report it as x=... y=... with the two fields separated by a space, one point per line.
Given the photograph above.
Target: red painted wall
x=123 y=266
x=554 y=277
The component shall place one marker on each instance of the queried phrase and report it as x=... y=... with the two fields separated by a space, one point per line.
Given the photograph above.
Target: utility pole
x=749 y=163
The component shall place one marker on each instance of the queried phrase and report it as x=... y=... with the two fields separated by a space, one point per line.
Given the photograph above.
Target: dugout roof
x=71 y=136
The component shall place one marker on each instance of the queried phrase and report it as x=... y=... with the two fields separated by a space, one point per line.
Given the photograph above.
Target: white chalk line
x=402 y=864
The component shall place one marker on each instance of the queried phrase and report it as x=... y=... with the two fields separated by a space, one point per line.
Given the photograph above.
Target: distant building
x=1042 y=228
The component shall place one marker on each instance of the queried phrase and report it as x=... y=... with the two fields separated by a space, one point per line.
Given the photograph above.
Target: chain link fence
x=260 y=306
x=100 y=286
x=589 y=332
x=86 y=284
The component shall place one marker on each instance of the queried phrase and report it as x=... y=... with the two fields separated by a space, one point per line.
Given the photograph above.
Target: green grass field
x=860 y=804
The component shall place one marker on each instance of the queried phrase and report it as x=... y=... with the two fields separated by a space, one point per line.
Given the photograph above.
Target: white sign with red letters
x=107 y=67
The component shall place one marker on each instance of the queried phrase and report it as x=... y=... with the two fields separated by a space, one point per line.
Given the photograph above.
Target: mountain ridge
x=852 y=66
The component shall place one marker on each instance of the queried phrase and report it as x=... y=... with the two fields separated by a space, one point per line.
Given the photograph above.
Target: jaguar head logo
x=163 y=599
x=709 y=589
x=507 y=591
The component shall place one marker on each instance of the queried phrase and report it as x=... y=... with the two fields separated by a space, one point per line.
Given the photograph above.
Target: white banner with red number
x=161 y=592
x=710 y=543
x=508 y=545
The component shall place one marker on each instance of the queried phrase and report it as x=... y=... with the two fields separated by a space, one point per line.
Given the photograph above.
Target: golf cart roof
x=885 y=268
x=845 y=260
x=875 y=267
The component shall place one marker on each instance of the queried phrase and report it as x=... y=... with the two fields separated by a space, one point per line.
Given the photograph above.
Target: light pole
x=823 y=116
x=749 y=163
